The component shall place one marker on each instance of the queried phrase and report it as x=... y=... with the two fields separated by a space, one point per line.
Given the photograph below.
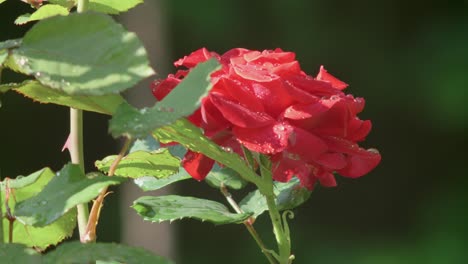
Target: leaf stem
x=76 y=145
x=280 y=229
x=249 y=225
x=82 y=6
x=90 y=233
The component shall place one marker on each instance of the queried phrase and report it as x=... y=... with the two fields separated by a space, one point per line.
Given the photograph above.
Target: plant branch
x=90 y=233
x=249 y=225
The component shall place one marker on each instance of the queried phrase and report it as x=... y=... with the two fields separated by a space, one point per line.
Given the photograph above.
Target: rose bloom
x=264 y=101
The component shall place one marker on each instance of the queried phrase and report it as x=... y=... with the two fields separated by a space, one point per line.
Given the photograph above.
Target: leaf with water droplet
x=62 y=194
x=104 y=104
x=174 y=207
x=182 y=101
x=114 y=59
x=24 y=188
x=159 y=164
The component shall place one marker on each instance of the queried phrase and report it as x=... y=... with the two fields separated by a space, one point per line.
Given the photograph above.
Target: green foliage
x=44 y=11
x=76 y=253
x=65 y=3
x=288 y=196
x=182 y=101
x=16 y=253
x=112 y=6
x=225 y=176
x=5 y=46
x=69 y=188
x=158 y=164
x=24 y=188
x=1 y=1
x=174 y=207
x=152 y=183
x=104 y=104
x=190 y=136
x=114 y=59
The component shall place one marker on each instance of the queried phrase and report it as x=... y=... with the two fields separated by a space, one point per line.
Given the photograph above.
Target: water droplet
x=43 y=202
x=373 y=150
x=334 y=97
x=227 y=149
x=37 y=74
x=23 y=61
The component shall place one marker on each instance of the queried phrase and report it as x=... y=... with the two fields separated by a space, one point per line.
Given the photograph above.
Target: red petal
x=326 y=179
x=323 y=75
x=269 y=139
x=212 y=119
x=303 y=111
x=161 y=88
x=359 y=161
x=273 y=95
x=286 y=168
x=239 y=115
x=195 y=57
x=358 y=129
x=253 y=73
x=240 y=92
x=197 y=165
x=307 y=145
x=312 y=86
x=333 y=161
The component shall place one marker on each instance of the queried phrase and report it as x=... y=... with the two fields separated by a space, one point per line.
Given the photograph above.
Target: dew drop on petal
x=373 y=150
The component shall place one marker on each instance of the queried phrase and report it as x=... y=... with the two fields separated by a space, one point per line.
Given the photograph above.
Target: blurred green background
x=408 y=59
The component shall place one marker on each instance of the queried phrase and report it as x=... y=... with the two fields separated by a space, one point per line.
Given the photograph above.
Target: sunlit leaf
x=191 y=137
x=181 y=102
x=67 y=189
x=112 y=6
x=152 y=183
x=104 y=104
x=111 y=60
x=42 y=12
x=159 y=164
x=21 y=189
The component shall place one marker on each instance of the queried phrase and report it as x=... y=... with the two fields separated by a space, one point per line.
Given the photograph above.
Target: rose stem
x=248 y=224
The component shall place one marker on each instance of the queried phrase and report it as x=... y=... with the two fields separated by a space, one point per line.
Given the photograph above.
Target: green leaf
x=182 y=101
x=104 y=104
x=16 y=253
x=44 y=11
x=191 y=137
x=5 y=46
x=174 y=207
x=65 y=3
x=112 y=6
x=151 y=183
x=288 y=196
x=225 y=176
x=159 y=164
x=86 y=54
x=69 y=188
x=77 y=253
x=22 y=189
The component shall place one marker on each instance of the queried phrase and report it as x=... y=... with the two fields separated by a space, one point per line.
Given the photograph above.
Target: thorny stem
x=248 y=224
x=90 y=233
x=76 y=145
x=9 y=216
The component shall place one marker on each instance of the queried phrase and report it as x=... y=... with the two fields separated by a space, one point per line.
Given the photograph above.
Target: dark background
x=408 y=59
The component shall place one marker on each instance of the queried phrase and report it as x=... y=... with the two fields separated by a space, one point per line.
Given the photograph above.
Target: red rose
x=264 y=101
